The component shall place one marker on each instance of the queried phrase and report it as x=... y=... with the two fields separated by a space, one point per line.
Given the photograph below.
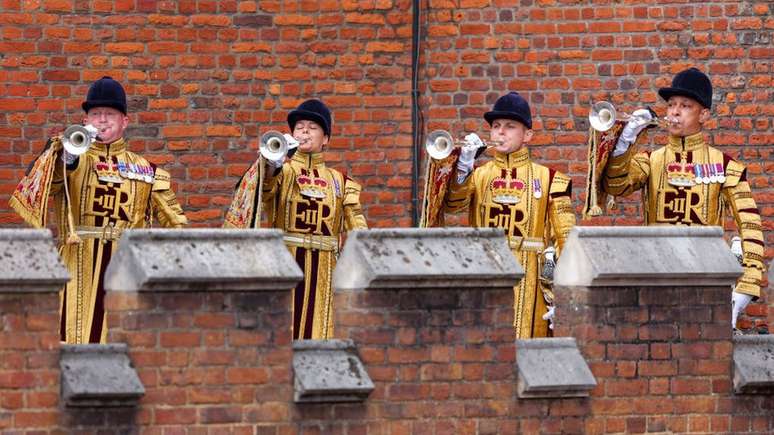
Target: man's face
x=109 y=122
x=310 y=136
x=687 y=115
x=511 y=134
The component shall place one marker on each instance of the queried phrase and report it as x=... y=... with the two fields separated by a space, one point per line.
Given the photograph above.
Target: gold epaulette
x=734 y=171
x=161 y=180
x=560 y=183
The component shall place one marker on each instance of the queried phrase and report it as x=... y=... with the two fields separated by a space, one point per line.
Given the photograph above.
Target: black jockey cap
x=312 y=110
x=105 y=92
x=690 y=83
x=510 y=106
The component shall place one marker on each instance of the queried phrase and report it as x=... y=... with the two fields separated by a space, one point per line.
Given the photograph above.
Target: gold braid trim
x=751 y=226
x=565 y=208
x=754 y=257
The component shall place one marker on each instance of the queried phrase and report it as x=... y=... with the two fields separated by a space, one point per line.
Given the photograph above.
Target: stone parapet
x=412 y=258
x=646 y=256
x=552 y=367
x=29 y=262
x=329 y=371
x=754 y=364
x=98 y=375
x=201 y=259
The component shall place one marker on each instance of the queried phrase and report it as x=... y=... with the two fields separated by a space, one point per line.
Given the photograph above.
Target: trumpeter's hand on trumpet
x=275 y=146
x=77 y=139
x=471 y=148
x=640 y=119
x=440 y=144
x=603 y=116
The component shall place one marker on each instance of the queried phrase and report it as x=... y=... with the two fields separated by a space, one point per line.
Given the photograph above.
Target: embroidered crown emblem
x=108 y=172
x=506 y=190
x=312 y=187
x=680 y=174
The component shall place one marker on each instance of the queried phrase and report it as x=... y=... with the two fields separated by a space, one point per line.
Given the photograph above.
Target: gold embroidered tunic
x=111 y=189
x=313 y=205
x=533 y=205
x=688 y=182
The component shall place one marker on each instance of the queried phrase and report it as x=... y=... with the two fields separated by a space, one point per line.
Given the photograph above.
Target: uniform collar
x=514 y=159
x=686 y=143
x=109 y=148
x=308 y=160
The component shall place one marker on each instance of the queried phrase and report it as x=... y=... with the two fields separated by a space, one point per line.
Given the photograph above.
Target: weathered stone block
x=29 y=262
x=329 y=371
x=409 y=258
x=754 y=364
x=552 y=367
x=98 y=375
x=646 y=256
x=201 y=260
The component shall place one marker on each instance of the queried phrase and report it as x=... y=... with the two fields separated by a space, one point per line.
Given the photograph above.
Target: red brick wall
x=217 y=360
x=562 y=56
x=205 y=78
x=29 y=360
x=442 y=362
x=661 y=357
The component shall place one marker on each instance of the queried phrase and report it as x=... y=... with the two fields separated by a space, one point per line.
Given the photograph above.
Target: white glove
x=638 y=121
x=550 y=317
x=736 y=249
x=468 y=155
x=93 y=131
x=292 y=142
x=739 y=302
x=273 y=165
x=68 y=158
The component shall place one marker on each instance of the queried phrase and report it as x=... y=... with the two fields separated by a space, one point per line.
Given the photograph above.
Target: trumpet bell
x=439 y=144
x=602 y=116
x=77 y=139
x=273 y=145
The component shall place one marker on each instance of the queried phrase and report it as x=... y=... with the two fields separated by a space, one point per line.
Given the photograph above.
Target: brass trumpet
x=603 y=116
x=77 y=139
x=440 y=144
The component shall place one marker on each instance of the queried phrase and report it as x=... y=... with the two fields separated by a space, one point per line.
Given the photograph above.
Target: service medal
x=713 y=175
x=122 y=171
x=537 y=190
x=721 y=172
x=148 y=174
